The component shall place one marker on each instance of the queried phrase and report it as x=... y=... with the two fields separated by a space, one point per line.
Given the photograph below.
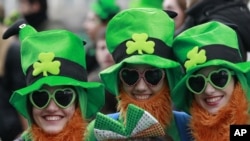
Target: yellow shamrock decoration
x=140 y=44
x=195 y=57
x=46 y=65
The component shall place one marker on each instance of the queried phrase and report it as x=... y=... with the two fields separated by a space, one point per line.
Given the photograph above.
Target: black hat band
x=160 y=49
x=78 y=73
x=217 y=51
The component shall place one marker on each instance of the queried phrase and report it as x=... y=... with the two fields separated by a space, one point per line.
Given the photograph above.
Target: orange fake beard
x=208 y=127
x=74 y=130
x=159 y=105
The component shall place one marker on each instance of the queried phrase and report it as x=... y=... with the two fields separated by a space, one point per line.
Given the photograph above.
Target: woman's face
x=213 y=99
x=141 y=78
x=52 y=119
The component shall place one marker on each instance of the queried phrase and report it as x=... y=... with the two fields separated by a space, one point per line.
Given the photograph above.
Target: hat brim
x=94 y=90
x=181 y=96
x=110 y=76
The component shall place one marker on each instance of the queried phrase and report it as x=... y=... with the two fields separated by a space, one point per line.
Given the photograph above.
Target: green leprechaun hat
x=105 y=9
x=137 y=36
x=54 y=58
x=139 y=124
x=208 y=44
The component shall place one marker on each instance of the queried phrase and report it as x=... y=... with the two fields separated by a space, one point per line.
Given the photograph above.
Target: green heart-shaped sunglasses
x=219 y=79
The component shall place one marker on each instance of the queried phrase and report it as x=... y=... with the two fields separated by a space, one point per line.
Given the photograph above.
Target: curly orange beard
x=207 y=127
x=159 y=105
x=74 y=130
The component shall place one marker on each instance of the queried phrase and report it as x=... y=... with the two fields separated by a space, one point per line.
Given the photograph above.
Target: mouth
x=142 y=97
x=212 y=101
x=52 y=118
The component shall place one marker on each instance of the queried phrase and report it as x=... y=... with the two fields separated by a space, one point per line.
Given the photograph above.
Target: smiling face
x=52 y=119
x=142 y=90
x=213 y=99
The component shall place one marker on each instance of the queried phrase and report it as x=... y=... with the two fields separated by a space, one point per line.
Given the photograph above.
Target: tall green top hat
x=140 y=36
x=209 y=44
x=105 y=9
x=54 y=57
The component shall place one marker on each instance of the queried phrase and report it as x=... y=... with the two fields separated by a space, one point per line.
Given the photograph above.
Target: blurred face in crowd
x=27 y=8
x=92 y=25
x=216 y=91
x=177 y=6
x=103 y=57
x=141 y=82
x=53 y=116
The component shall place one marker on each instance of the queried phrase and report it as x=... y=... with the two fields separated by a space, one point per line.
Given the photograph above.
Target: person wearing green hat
x=144 y=69
x=58 y=102
x=215 y=88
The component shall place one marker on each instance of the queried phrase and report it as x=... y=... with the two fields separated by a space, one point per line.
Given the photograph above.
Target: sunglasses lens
x=40 y=98
x=196 y=84
x=154 y=76
x=220 y=78
x=129 y=76
x=64 y=97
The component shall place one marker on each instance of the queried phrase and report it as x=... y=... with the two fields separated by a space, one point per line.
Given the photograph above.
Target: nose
x=209 y=90
x=141 y=85
x=52 y=106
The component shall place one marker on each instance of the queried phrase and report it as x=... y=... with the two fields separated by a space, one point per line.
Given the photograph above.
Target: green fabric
x=123 y=27
x=138 y=122
x=90 y=135
x=105 y=9
x=171 y=130
x=186 y=47
x=145 y=3
x=39 y=51
x=130 y=21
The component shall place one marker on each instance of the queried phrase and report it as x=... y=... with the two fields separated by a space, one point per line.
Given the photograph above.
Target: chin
x=53 y=131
